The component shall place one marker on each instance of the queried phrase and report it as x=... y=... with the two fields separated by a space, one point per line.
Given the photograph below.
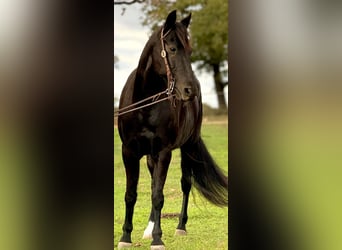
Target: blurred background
x=285 y=61
x=56 y=124
x=56 y=116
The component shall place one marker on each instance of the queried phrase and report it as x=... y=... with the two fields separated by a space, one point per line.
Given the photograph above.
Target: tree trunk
x=219 y=86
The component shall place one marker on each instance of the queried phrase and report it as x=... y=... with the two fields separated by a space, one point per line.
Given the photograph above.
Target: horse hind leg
x=132 y=175
x=183 y=217
x=186 y=187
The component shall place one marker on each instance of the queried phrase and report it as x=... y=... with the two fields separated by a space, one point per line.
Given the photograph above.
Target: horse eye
x=173 y=49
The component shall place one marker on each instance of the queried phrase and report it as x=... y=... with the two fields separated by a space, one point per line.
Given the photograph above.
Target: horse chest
x=151 y=142
x=147 y=133
x=154 y=123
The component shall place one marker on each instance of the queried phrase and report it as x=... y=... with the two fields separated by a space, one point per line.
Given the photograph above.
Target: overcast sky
x=130 y=38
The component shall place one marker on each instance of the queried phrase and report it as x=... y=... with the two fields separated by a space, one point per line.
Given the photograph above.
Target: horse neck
x=148 y=81
x=149 y=84
x=144 y=61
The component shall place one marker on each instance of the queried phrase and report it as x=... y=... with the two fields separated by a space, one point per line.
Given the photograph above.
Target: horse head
x=168 y=53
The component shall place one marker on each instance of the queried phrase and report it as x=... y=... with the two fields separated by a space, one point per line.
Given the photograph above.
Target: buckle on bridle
x=171 y=87
x=163 y=53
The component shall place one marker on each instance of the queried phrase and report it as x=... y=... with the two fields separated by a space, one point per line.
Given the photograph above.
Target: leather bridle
x=155 y=98
x=163 y=54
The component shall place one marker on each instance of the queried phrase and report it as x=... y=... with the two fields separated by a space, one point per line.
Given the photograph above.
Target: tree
x=116 y=60
x=208 y=31
x=124 y=3
x=128 y=2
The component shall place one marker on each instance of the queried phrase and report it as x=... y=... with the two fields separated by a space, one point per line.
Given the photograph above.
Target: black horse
x=164 y=70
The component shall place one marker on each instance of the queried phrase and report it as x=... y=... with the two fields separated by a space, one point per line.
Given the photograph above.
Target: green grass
x=207 y=225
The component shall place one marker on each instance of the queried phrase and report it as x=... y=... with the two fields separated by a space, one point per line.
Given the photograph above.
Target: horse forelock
x=181 y=33
x=183 y=36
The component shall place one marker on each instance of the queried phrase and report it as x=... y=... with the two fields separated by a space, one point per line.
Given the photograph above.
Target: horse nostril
x=188 y=91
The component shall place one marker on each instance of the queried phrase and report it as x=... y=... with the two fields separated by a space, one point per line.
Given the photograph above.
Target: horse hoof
x=180 y=232
x=123 y=245
x=157 y=247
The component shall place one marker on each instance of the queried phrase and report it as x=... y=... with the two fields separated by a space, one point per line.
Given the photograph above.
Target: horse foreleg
x=159 y=177
x=186 y=187
x=132 y=176
x=148 y=231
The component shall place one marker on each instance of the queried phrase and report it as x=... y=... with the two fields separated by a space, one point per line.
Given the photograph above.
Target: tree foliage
x=208 y=30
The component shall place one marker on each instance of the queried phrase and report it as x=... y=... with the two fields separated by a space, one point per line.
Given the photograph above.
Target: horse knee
x=130 y=198
x=158 y=201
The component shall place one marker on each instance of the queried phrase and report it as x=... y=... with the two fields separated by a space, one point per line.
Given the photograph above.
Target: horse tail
x=207 y=177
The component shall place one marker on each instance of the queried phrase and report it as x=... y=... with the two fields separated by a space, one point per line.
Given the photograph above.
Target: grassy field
x=207 y=225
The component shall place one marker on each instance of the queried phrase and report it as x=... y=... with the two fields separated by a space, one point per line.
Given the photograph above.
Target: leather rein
x=155 y=98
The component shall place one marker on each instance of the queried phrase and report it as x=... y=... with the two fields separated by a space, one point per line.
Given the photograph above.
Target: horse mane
x=144 y=57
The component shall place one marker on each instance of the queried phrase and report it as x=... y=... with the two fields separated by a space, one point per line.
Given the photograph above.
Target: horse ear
x=186 y=20
x=170 y=21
